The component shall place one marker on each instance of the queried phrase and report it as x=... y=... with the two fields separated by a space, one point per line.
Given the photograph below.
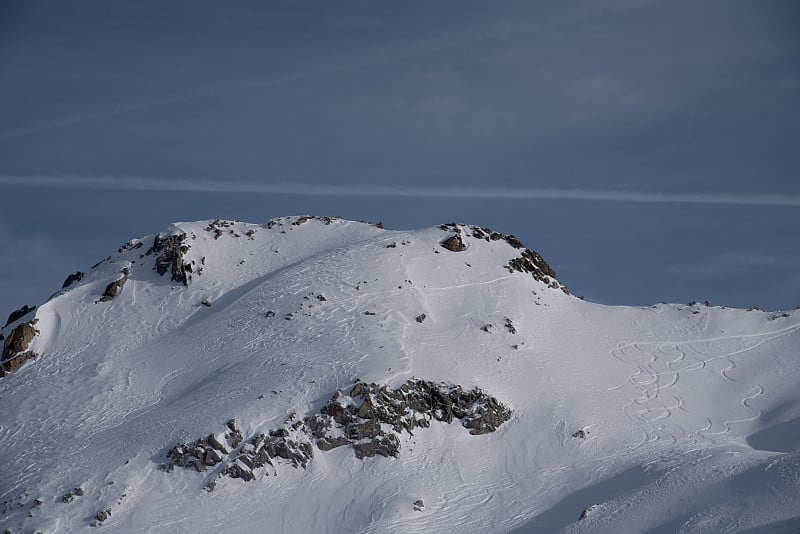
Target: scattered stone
x=392 y=245
x=206 y=303
x=581 y=433
x=421 y=317
x=269 y=313
x=369 y=313
x=708 y=304
x=321 y=298
x=19 y=314
x=510 y=326
x=488 y=328
x=419 y=505
x=300 y=220
x=77 y=276
x=70 y=495
x=453 y=243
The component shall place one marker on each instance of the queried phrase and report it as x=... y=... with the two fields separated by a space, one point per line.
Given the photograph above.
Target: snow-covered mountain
x=321 y=375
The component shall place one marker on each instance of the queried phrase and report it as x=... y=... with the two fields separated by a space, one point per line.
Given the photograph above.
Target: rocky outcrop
x=77 y=276
x=15 y=347
x=113 y=289
x=19 y=314
x=171 y=250
x=454 y=243
x=370 y=419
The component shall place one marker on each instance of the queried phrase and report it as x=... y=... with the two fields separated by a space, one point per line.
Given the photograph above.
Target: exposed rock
x=269 y=313
x=419 y=505
x=370 y=419
x=103 y=515
x=70 y=495
x=384 y=445
x=531 y=262
x=172 y=249
x=488 y=328
x=18 y=314
x=454 y=243
x=581 y=433
x=206 y=303
x=71 y=279
x=131 y=245
x=510 y=326
x=15 y=347
x=421 y=317
x=588 y=511
x=113 y=289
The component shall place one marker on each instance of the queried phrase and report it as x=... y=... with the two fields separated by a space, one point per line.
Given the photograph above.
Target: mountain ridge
x=162 y=344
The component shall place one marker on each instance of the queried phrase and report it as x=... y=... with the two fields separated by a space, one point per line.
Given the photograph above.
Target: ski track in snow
x=654 y=373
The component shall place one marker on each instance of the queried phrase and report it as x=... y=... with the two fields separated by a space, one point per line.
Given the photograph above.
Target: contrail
x=260 y=82
x=139 y=183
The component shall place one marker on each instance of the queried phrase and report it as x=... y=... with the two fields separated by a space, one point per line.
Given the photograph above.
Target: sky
x=648 y=149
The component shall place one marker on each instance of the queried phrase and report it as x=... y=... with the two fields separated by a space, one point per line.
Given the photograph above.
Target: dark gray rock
x=19 y=314
x=370 y=420
x=77 y=276
x=172 y=250
x=113 y=289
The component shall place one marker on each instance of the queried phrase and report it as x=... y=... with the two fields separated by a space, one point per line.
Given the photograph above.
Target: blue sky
x=648 y=149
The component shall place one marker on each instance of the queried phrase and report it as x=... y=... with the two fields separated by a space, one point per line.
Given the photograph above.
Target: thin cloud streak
x=136 y=183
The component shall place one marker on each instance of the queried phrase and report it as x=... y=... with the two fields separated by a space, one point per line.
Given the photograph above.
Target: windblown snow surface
x=690 y=413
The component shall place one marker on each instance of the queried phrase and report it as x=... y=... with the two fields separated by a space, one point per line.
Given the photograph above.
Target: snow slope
x=690 y=414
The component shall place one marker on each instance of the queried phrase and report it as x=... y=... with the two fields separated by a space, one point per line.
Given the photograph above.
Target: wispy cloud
x=139 y=183
x=383 y=57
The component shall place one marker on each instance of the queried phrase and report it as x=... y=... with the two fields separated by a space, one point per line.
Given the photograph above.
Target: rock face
x=531 y=262
x=18 y=314
x=71 y=279
x=370 y=419
x=171 y=250
x=15 y=348
x=112 y=289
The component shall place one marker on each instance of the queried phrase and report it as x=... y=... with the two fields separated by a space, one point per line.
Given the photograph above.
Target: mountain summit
x=314 y=374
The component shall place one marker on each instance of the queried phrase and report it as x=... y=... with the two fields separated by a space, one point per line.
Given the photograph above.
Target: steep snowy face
x=316 y=374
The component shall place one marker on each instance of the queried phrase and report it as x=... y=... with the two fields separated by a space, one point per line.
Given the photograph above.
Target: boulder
x=15 y=347
x=453 y=243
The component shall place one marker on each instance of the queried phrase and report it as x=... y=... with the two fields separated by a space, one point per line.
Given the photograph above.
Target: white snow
x=692 y=412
